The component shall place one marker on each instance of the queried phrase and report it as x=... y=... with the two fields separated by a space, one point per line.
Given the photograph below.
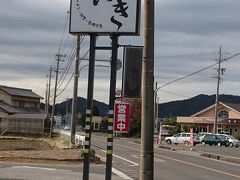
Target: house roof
x=232 y=106
x=6 y=107
x=20 y=92
x=10 y=109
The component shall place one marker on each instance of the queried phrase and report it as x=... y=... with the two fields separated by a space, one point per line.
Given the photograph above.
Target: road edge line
x=121 y=174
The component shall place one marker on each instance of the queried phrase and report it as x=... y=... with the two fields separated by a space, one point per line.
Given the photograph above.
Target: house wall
x=208 y=113
x=25 y=102
x=22 y=126
x=5 y=97
x=233 y=114
x=181 y=119
x=3 y=113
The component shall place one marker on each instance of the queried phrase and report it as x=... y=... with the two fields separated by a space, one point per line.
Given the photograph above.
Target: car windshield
x=177 y=135
x=231 y=137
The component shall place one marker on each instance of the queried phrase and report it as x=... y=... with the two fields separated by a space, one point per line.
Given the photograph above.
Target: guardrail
x=78 y=138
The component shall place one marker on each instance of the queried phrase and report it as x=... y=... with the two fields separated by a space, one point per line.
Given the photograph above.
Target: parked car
x=67 y=128
x=226 y=142
x=212 y=139
x=232 y=140
x=201 y=135
x=182 y=138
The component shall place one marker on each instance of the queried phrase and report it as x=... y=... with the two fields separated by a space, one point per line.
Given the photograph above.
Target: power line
x=174 y=93
x=197 y=71
x=64 y=29
x=72 y=75
x=187 y=75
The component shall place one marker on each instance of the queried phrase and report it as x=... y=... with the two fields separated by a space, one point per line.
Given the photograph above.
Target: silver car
x=232 y=140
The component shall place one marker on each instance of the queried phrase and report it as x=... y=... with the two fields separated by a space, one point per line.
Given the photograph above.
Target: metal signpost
x=111 y=18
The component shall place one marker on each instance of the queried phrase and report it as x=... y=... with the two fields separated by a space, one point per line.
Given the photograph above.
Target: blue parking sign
x=161 y=119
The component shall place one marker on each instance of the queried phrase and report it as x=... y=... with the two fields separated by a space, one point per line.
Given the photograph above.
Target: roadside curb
x=208 y=155
x=73 y=160
x=221 y=157
x=167 y=147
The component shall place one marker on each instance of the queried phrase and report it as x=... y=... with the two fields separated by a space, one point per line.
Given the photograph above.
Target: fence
x=78 y=138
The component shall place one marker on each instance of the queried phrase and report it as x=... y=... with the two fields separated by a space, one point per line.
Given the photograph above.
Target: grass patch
x=66 y=142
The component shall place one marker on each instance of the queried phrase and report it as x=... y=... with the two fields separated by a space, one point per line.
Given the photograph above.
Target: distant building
x=20 y=112
x=96 y=121
x=228 y=119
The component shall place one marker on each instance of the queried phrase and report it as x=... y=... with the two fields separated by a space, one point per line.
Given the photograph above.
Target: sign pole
x=87 y=146
x=111 y=107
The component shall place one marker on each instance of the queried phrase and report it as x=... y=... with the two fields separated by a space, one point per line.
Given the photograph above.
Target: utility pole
x=147 y=123
x=155 y=109
x=219 y=79
x=75 y=90
x=46 y=97
x=58 y=58
x=66 y=115
x=49 y=88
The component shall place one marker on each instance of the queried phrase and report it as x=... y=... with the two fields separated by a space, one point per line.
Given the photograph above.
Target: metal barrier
x=78 y=138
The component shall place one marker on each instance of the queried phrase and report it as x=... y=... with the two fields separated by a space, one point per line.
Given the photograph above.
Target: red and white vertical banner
x=191 y=136
x=121 y=117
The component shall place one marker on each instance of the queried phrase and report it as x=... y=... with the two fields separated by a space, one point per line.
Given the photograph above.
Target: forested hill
x=81 y=106
x=193 y=105
x=186 y=107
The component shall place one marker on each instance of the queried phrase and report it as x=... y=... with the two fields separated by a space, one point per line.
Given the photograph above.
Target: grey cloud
x=198 y=17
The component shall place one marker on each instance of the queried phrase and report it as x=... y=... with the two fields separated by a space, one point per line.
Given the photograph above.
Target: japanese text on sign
x=121 y=117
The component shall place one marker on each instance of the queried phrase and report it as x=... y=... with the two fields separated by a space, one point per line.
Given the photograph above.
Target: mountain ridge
x=170 y=109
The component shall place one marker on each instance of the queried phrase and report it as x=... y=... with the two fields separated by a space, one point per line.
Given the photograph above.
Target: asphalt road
x=28 y=171
x=168 y=165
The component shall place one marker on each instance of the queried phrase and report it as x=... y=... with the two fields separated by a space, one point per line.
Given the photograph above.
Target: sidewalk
x=208 y=152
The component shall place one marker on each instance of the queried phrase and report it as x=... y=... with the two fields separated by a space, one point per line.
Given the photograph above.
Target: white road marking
x=42 y=168
x=120 y=174
x=134 y=164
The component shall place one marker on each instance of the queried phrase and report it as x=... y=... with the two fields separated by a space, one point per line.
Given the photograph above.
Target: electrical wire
x=174 y=93
x=196 y=72
x=64 y=30
x=86 y=53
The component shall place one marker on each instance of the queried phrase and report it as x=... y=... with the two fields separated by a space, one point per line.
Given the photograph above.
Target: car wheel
x=169 y=141
x=219 y=144
x=203 y=143
x=231 y=144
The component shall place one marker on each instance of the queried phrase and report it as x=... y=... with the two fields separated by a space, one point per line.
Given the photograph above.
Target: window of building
x=223 y=114
x=21 y=104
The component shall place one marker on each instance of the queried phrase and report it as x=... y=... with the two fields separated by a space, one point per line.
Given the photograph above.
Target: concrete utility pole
x=75 y=90
x=66 y=114
x=49 y=88
x=147 y=123
x=58 y=58
x=46 y=96
x=155 y=109
x=219 y=79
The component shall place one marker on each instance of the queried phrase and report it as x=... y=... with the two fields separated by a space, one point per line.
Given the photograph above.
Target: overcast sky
x=188 y=34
